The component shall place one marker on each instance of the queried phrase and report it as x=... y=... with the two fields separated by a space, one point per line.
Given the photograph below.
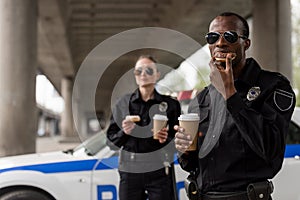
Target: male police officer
x=244 y=118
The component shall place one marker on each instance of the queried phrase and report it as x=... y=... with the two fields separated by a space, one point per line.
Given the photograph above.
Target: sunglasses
x=229 y=36
x=149 y=71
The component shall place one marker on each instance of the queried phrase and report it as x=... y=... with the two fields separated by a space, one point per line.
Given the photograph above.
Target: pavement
x=53 y=143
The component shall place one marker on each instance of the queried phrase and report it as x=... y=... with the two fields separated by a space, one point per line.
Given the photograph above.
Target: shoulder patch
x=283 y=99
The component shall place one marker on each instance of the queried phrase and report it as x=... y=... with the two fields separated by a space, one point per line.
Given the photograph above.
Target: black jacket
x=252 y=131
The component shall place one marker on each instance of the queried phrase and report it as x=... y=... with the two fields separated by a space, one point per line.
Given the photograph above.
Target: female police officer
x=144 y=162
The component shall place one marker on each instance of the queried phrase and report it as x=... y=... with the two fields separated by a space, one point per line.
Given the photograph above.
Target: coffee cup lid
x=160 y=117
x=189 y=117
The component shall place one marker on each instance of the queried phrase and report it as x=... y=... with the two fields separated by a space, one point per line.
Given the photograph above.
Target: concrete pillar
x=271 y=43
x=67 y=122
x=41 y=124
x=18 y=60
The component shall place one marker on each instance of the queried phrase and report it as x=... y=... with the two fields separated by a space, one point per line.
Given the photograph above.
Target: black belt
x=259 y=190
x=224 y=196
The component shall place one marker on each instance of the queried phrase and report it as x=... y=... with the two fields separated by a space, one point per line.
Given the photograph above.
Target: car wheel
x=24 y=194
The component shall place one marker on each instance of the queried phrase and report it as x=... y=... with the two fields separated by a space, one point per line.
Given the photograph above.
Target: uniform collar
x=250 y=73
x=137 y=96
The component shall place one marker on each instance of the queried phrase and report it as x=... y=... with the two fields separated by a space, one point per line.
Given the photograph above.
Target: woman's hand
x=162 y=135
x=128 y=126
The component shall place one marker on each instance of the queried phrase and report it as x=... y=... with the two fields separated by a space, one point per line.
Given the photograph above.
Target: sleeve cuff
x=121 y=133
x=234 y=104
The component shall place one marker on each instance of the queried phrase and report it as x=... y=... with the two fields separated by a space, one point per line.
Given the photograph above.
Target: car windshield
x=92 y=145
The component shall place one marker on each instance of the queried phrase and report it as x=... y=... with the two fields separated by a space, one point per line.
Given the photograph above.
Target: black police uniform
x=248 y=147
x=143 y=161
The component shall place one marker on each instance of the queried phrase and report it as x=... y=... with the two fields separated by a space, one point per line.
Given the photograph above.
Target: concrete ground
x=53 y=143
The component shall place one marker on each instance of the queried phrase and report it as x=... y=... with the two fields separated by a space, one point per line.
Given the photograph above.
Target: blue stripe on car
x=105 y=164
x=292 y=150
x=58 y=167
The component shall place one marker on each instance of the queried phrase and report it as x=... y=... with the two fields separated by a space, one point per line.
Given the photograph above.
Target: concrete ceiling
x=69 y=29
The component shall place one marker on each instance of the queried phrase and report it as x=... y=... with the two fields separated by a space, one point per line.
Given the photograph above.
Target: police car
x=89 y=172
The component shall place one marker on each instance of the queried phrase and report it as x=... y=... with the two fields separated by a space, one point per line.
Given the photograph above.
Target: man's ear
x=247 y=43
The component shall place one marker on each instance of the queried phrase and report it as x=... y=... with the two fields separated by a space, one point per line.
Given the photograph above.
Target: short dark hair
x=243 y=20
x=150 y=57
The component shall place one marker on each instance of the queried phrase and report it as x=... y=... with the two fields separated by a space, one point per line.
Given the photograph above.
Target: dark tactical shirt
x=141 y=140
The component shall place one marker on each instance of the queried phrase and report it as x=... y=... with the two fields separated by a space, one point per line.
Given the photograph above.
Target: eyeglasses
x=229 y=36
x=149 y=71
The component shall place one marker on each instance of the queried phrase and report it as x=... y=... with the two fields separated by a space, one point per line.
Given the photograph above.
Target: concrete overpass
x=54 y=37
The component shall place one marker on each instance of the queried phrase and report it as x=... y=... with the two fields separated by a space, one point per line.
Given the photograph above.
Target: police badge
x=253 y=93
x=163 y=106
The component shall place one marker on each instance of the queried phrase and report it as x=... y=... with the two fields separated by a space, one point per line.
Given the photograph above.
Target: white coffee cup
x=190 y=123
x=159 y=122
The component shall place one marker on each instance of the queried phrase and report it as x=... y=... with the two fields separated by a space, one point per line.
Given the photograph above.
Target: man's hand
x=182 y=140
x=222 y=78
